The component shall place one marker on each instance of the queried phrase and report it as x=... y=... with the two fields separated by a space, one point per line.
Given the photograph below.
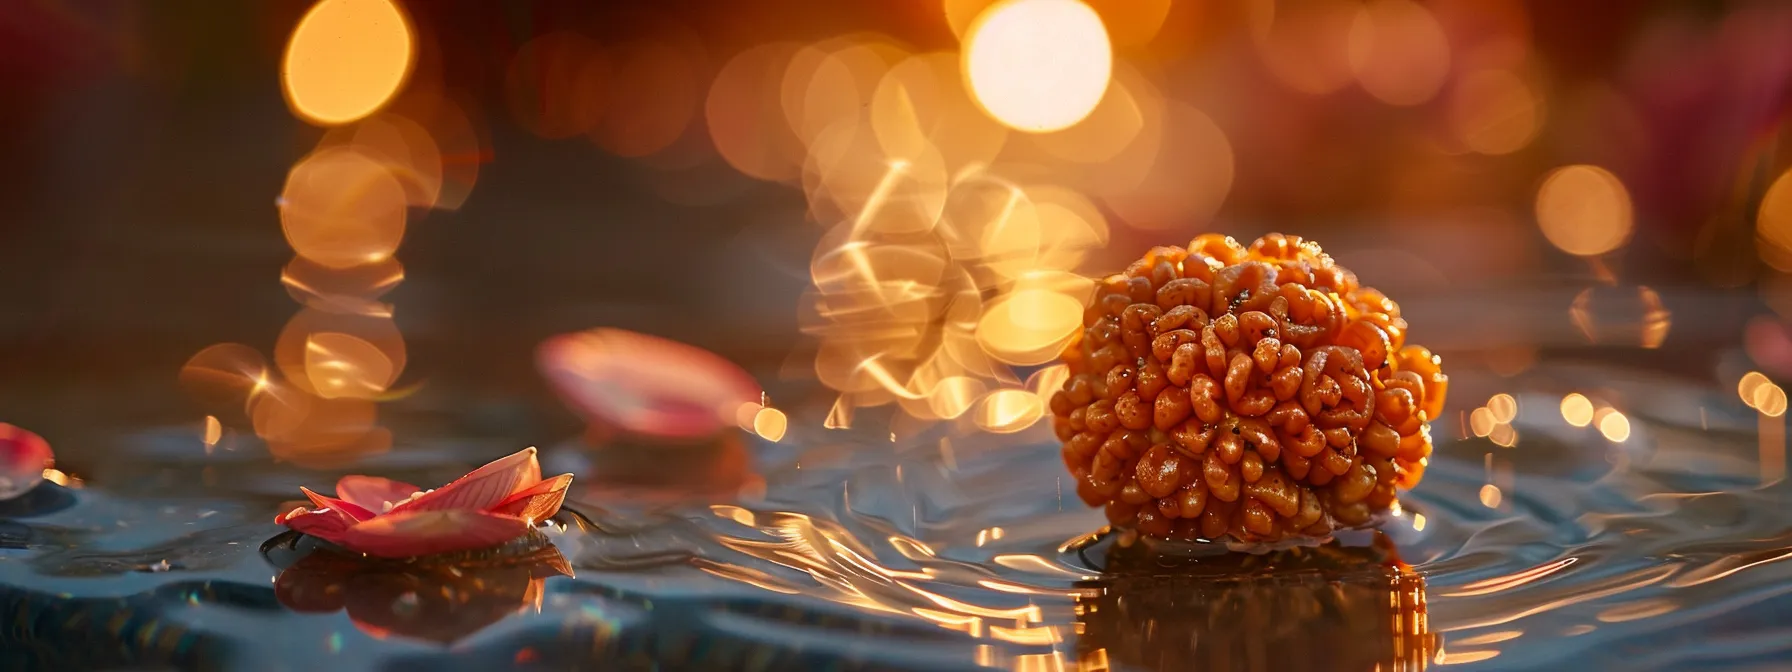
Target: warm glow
x=212 y=432
x=1418 y=522
x=953 y=396
x=746 y=120
x=1494 y=112
x=1481 y=422
x=1584 y=210
x=343 y=365
x=831 y=83
x=1189 y=178
x=1503 y=436
x=1577 y=410
x=346 y=58
x=1770 y=400
x=1503 y=407
x=1047 y=381
x=653 y=95
x=1614 y=426
x=849 y=178
x=333 y=355
x=1029 y=326
x=223 y=377
x=1038 y=65
x=1773 y=224
x=770 y=424
x=342 y=208
x=1006 y=411
x=1398 y=51
x=921 y=105
x=1041 y=230
x=410 y=153
x=1751 y=383
x=354 y=290
x=1490 y=496
x=313 y=431
x=1306 y=45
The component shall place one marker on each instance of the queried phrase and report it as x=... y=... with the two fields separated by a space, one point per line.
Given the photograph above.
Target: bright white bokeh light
x=1038 y=65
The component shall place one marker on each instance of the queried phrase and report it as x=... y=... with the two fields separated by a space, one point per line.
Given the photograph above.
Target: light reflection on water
x=957 y=554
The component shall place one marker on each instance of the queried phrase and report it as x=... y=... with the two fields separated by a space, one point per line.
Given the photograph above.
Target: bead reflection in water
x=1332 y=607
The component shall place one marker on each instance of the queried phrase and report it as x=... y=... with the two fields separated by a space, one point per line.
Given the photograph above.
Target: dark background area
x=144 y=145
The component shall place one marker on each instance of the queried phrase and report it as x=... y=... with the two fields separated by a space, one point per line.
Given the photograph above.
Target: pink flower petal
x=483 y=488
x=643 y=384
x=372 y=492
x=23 y=458
x=413 y=533
x=354 y=511
x=328 y=525
x=537 y=503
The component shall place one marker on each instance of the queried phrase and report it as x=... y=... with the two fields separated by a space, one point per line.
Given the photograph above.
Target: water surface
x=845 y=550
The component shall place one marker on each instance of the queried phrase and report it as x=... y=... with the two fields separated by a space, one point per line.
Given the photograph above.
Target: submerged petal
x=372 y=492
x=350 y=509
x=413 y=533
x=482 y=489
x=537 y=503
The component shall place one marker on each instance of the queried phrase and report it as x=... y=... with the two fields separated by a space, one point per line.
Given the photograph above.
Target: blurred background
x=348 y=223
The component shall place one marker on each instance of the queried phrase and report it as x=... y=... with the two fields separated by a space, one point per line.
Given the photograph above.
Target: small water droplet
x=406 y=604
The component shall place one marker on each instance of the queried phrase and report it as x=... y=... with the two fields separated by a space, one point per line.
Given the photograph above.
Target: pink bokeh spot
x=494 y=504
x=645 y=385
x=23 y=458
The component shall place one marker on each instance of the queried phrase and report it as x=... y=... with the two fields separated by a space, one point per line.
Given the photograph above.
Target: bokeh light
x=1762 y=394
x=1577 y=409
x=1613 y=425
x=1494 y=112
x=1773 y=224
x=921 y=104
x=1038 y=65
x=1398 y=51
x=211 y=432
x=770 y=424
x=342 y=208
x=1481 y=422
x=746 y=117
x=1007 y=411
x=404 y=146
x=338 y=355
x=1503 y=407
x=222 y=378
x=354 y=291
x=346 y=59
x=1029 y=326
x=1584 y=210
x=1304 y=44
x=1188 y=182
x=653 y=95
x=1503 y=435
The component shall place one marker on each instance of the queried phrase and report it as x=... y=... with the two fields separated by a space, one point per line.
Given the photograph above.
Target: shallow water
x=943 y=551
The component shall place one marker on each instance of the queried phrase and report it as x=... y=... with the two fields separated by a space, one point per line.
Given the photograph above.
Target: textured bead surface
x=1256 y=393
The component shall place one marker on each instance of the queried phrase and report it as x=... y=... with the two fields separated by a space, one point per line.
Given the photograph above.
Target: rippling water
x=941 y=552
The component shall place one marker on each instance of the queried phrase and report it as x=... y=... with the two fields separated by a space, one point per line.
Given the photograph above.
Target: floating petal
x=413 y=533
